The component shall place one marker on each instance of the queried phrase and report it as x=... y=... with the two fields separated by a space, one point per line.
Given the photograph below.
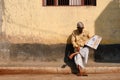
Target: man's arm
x=73 y=41
x=73 y=54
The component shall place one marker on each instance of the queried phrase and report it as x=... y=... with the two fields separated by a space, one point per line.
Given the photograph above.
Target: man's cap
x=80 y=25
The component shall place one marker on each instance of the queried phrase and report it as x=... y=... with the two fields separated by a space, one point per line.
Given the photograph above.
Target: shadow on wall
x=2 y=8
x=107 y=25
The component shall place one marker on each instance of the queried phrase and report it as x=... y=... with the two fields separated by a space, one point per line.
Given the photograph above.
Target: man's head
x=80 y=26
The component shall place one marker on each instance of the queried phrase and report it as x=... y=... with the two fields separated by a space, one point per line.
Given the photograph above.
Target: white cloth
x=82 y=58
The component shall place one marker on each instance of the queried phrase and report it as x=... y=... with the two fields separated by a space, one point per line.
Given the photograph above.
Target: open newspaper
x=94 y=41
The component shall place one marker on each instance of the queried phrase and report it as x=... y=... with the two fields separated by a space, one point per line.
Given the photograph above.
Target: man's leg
x=82 y=72
x=86 y=55
x=85 y=52
x=80 y=65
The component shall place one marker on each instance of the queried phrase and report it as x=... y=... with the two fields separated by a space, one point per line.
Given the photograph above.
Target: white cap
x=80 y=25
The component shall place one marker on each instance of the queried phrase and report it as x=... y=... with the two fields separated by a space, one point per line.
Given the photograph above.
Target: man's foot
x=84 y=74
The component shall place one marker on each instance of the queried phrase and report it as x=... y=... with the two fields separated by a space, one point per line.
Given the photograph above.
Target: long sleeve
x=73 y=40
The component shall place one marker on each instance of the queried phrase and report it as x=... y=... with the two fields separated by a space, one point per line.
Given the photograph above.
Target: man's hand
x=77 y=49
x=73 y=54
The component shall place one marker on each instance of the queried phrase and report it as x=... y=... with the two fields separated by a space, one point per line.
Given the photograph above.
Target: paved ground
x=113 y=76
x=110 y=76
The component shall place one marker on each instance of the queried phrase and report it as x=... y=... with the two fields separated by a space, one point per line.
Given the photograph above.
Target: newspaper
x=94 y=41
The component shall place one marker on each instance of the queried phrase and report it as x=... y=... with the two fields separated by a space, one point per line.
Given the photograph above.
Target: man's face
x=80 y=29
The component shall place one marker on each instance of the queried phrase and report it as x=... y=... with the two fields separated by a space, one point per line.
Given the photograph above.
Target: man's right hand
x=73 y=54
x=77 y=49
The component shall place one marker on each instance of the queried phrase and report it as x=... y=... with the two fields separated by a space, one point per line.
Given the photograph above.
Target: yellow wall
x=27 y=21
x=0 y=17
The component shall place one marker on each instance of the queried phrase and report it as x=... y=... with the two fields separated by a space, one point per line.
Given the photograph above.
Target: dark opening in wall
x=49 y=2
x=69 y=2
x=63 y=2
x=90 y=2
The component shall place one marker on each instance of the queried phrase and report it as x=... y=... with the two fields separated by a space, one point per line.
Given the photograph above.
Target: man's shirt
x=79 y=39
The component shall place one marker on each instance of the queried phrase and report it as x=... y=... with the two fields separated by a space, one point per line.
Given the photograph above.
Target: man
x=78 y=39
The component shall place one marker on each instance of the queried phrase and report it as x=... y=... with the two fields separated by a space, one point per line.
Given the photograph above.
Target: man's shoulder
x=85 y=31
x=75 y=31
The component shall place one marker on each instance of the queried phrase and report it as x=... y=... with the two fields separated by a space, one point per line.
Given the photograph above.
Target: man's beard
x=80 y=31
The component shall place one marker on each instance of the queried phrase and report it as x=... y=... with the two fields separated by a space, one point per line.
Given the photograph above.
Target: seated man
x=78 y=39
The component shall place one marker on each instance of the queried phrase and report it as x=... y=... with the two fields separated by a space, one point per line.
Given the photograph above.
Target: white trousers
x=82 y=58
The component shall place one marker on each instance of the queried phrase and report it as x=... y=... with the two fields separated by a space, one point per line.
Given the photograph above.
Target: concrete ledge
x=55 y=70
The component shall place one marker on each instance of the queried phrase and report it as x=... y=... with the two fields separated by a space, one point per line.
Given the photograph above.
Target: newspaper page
x=94 y=41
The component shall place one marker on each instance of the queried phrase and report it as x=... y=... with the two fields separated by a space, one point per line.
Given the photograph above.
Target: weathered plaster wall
x=0 y=16
x=33 y=31
x=27 y=21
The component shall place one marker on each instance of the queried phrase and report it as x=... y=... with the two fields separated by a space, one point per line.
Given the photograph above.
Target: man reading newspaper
x=80 y=38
